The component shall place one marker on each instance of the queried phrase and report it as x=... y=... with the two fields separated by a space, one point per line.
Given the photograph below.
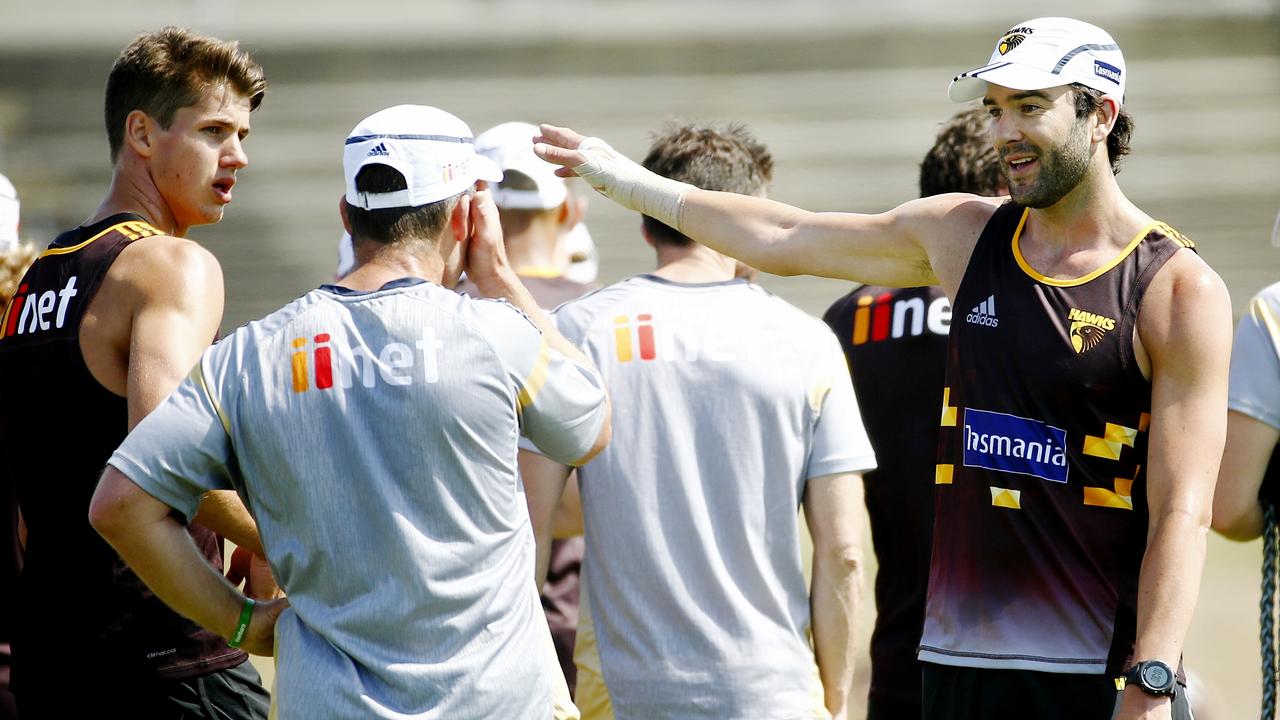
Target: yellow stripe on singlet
x=1026 y=266
x=132 y=229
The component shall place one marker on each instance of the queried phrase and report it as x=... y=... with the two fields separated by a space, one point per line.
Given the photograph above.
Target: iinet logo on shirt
x=316 y=363
x=644 y=338
x=31 y=311
x=883 y=318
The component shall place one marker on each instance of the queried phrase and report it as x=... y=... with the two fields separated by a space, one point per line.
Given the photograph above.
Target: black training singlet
x=896 y=341
x=78 y=605
x=1041 y=516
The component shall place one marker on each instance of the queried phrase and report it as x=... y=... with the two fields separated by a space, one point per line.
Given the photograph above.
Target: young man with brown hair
x=734 y=410
x=1072 y=509
x=104 y=325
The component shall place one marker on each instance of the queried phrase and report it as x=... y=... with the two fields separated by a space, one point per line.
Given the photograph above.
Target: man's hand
x=612 y=174
x=487 y=265
x=260 y=638
x=1138 y=705
x=254 y=571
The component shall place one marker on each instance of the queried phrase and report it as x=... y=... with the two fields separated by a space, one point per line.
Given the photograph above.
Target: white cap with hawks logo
x=432 y=149
x=1044 y=53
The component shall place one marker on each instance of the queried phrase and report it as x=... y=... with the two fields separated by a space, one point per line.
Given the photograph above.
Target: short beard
x=1061 y=170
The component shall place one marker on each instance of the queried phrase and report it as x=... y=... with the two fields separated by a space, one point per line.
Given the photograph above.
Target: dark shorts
x=881 y=709
x=961 y=693
x=232 y=694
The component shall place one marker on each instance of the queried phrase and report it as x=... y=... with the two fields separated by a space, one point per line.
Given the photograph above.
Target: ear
x=342 y=212
x=460 y=219
x=139 y=130
x=570 y=213
x=1106 y=115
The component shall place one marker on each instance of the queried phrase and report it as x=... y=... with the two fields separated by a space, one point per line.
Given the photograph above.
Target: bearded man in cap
x=371 y=428
x=1084 y=409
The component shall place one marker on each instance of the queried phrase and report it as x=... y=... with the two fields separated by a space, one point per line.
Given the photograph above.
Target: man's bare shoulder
x=949 y=226
x=165 y=267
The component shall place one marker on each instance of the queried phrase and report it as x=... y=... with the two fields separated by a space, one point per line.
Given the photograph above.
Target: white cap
x=431 y=148
x=510 y=146
x=1044 y=53
x=8 y=215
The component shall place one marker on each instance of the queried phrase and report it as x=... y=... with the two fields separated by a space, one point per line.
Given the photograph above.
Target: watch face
x=1157 y=677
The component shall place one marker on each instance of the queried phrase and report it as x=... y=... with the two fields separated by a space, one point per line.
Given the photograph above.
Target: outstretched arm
x=923 y=242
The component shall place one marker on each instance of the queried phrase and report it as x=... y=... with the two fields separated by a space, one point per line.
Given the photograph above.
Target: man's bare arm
x=176 y=293
x=833 y=509
x=1184 y=324
x=1237 y=513
x=544 y=481
x=922 y=242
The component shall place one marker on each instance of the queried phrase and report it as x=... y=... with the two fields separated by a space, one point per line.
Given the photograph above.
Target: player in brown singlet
x=1084 y=410
x=103 y=326
x=895 y=340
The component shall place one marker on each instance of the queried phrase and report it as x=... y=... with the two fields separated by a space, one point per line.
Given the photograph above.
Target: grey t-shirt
x=373 y=437
x=726 y=400
x=1255 y=360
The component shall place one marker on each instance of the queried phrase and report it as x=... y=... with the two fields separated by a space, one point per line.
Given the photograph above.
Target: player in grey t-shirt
x=372 y=429
x=733 y=409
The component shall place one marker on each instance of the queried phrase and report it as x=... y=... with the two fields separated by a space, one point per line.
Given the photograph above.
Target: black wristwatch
x=1153 y=676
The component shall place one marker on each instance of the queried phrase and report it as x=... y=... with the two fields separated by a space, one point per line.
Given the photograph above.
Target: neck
x=378 y=264
x=537 y=249
x=1095 y=212
x=693 y=264
x=133 y=191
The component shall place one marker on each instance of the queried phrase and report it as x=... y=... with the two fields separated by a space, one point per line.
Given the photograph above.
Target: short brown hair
x=1089 y=100
x=962 y=158
x=163 y=71
x=726 y=160
x=389 y=225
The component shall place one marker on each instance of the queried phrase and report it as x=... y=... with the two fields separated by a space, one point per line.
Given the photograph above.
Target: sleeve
x=182 y=449
x=840 y=442
x=1255 y=360
x=562 y=402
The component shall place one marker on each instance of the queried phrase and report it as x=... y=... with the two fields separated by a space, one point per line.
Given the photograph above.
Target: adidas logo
x=379 y=149
x=984 y=313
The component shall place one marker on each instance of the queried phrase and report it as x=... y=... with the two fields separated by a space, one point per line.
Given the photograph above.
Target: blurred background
x=848 y=95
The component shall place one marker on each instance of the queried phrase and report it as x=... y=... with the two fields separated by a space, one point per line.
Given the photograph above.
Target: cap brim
x=972 y=85
x=486 y=169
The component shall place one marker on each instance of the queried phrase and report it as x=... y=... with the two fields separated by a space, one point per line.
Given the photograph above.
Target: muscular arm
x=145 y=533
x=175 y=291
x=922 y=242
x=833 y=509
x=1184 y=325
x=1250 y=443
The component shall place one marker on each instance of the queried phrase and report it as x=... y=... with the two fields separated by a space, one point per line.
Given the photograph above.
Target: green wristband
x=246 y=614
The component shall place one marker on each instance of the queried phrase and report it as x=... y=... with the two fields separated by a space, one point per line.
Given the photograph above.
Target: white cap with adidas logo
x=1044 y=53
x=434 y=150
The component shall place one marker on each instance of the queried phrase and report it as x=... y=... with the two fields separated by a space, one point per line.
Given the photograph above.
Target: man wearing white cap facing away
x=1083 y=415
x=371 y=428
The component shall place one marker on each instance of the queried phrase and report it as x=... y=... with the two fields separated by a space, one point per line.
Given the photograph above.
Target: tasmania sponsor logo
x=984 y=313
x=883 y=318
x=1009 y=443
x=316 y=363
x=35 y=310
x=1088 y=329
x=1110 y=72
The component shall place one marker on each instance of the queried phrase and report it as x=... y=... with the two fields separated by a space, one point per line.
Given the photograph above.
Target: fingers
x=559 y=146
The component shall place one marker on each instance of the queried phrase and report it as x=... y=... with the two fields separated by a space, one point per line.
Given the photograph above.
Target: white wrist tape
x=627 y=183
